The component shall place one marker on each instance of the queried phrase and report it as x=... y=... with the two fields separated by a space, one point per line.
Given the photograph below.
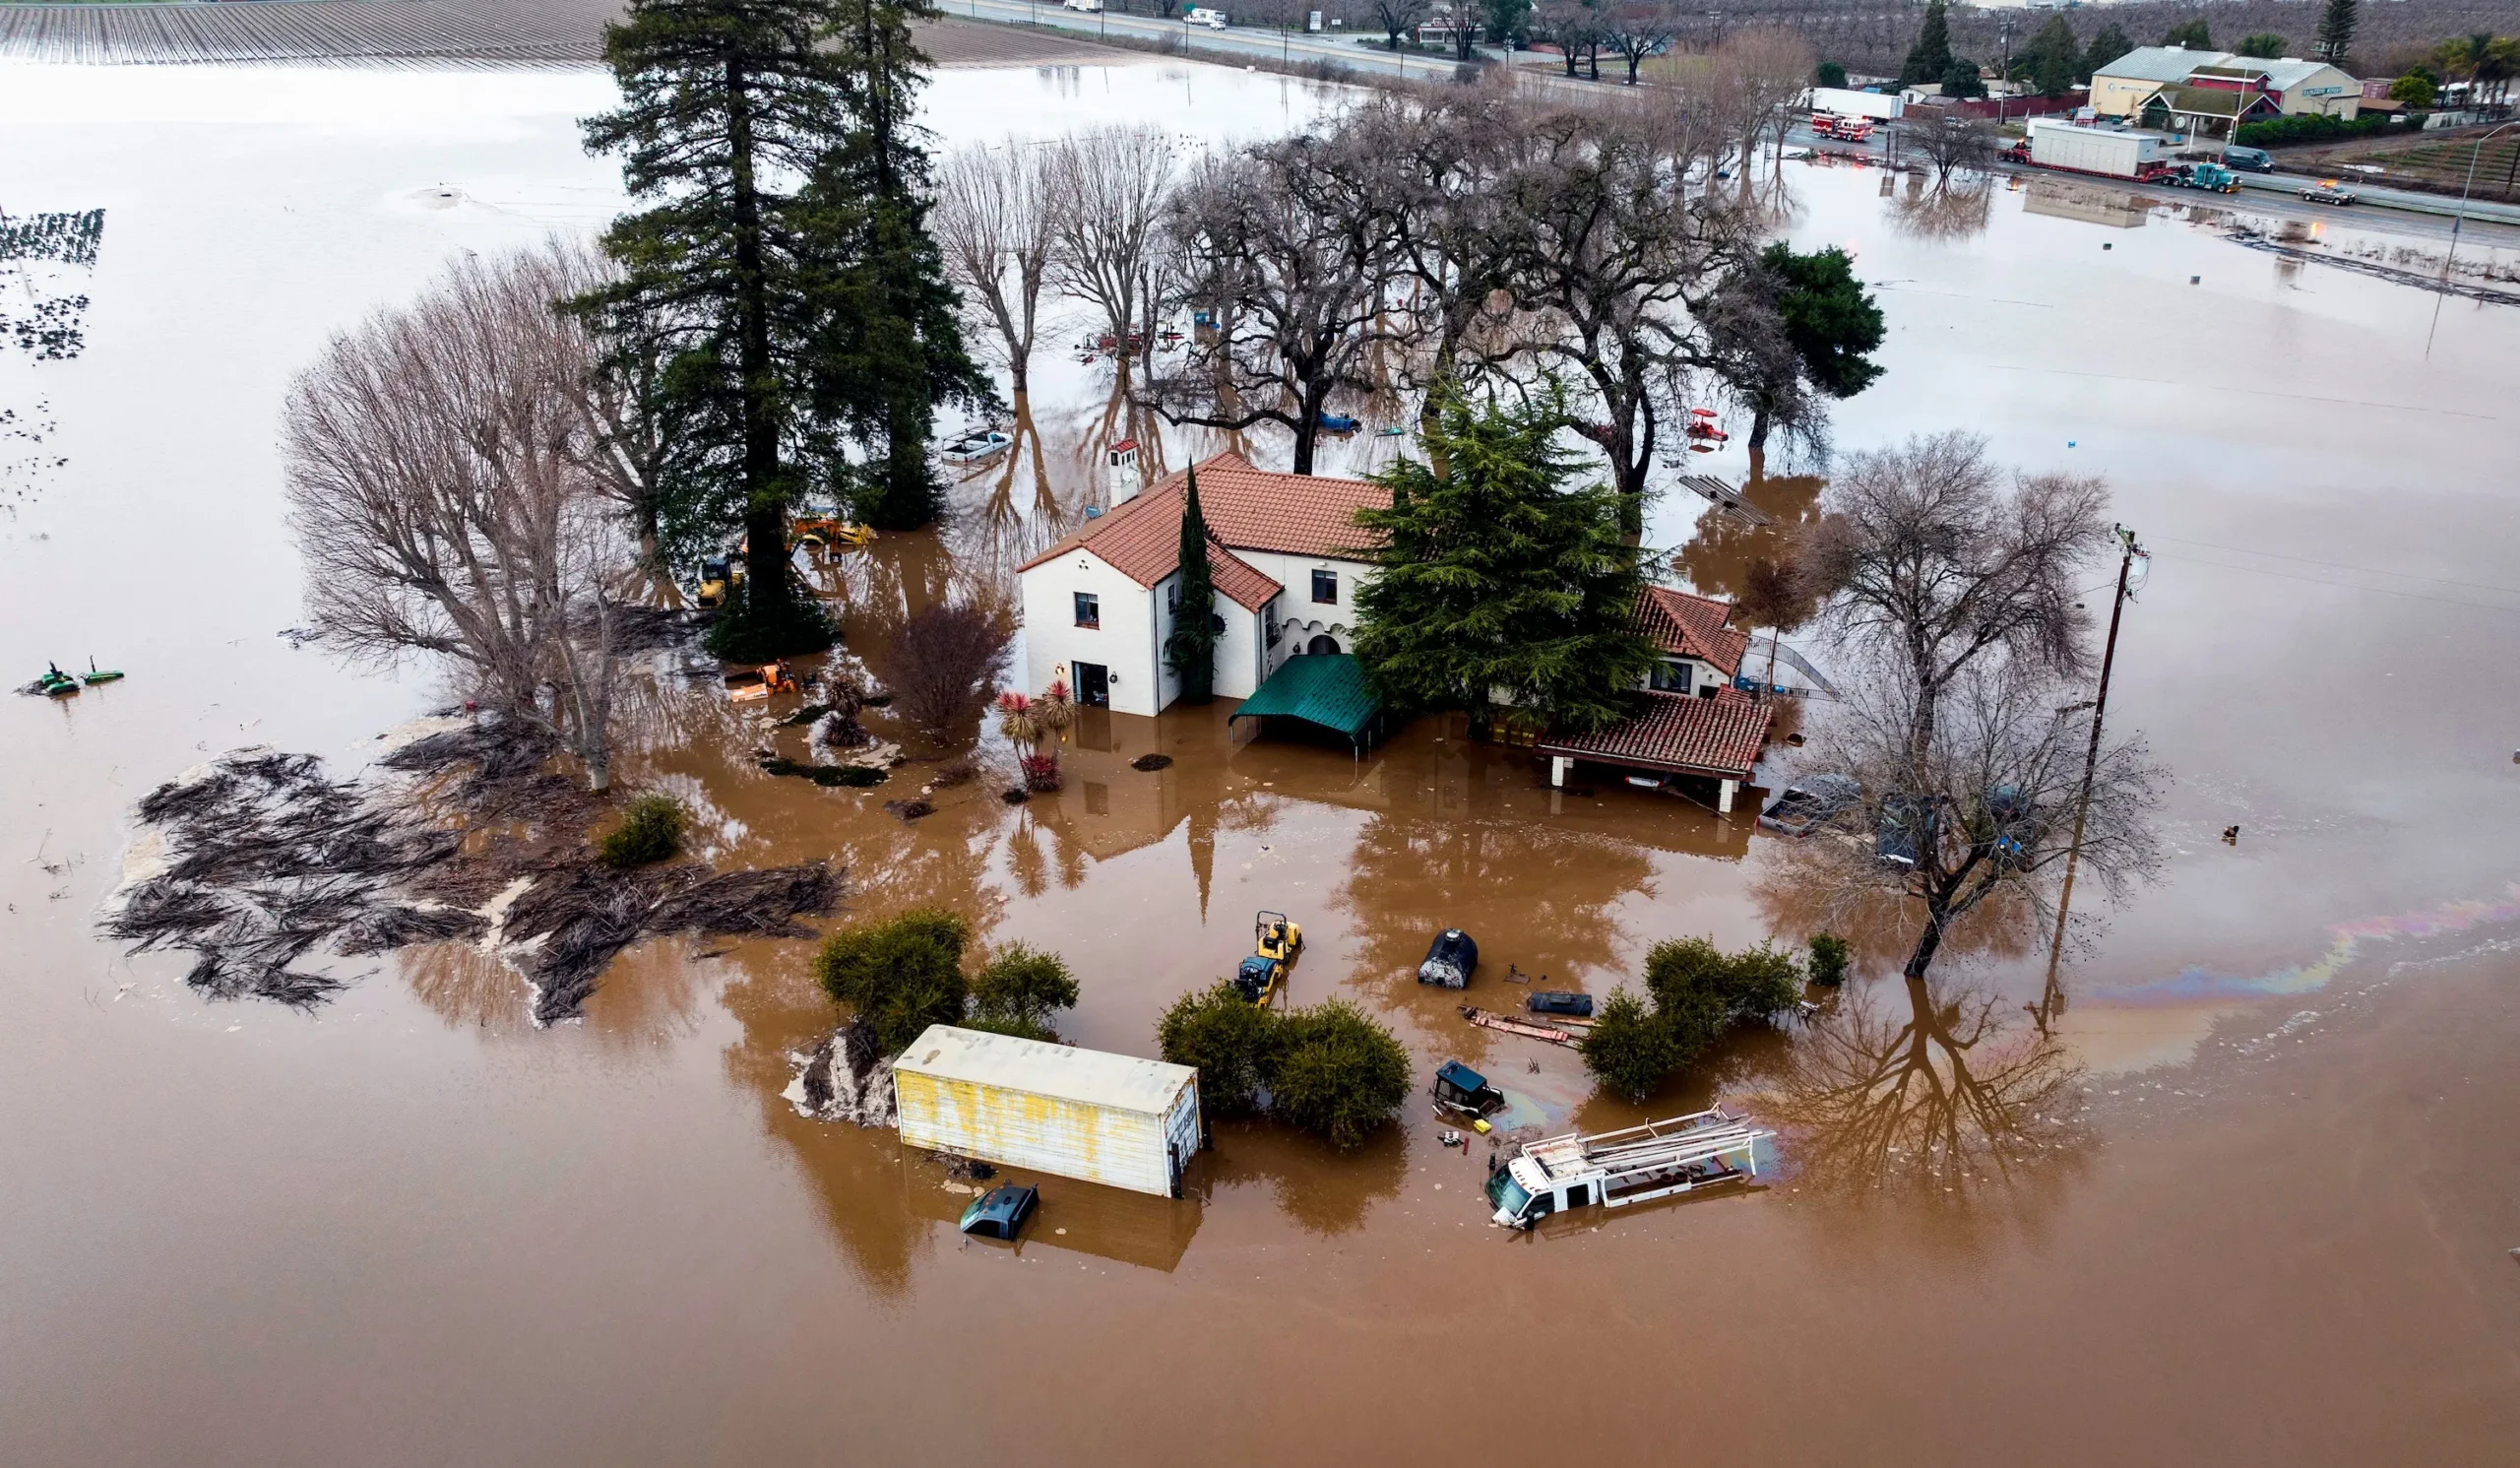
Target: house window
x=1671 y=675
x=1089 y=610
x=1172 y=597
x=1269 y=619
x=1325 y=587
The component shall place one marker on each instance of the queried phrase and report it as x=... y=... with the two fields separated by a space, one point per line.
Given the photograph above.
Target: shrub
x=650 y=830
x=1629 y=1049
x=2308 y=127
x=1227 y=1040
x=1338 y=1073
x=1828 y=959
x=901 y=975
x=942 y=666
x=1018 y=990
x=1830 y=73
x=1698 y=991
x=1041 y=773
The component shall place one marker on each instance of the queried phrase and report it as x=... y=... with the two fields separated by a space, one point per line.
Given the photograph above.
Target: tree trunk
x=1569 y=54
x=1927 y=942
x=1759 y=433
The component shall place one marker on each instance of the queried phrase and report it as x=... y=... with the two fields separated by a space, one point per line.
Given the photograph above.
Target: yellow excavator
x=1276 y=943
x=828 y=535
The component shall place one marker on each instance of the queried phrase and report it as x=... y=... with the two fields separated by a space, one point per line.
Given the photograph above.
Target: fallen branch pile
x=262 y=861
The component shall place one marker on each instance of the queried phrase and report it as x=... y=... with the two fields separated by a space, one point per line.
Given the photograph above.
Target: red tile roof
x=1237 y=580
x=1719 y=735
x=1247 y=509
x=1690 y=626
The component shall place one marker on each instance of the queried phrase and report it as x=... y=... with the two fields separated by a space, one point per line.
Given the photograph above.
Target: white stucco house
x=1284 y=554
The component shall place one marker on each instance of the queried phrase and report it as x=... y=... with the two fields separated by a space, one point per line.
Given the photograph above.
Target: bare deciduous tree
x=995 y=223
x=1291 y=252
x=1933 y=566
x=1634 y=30
x=1577 y=27
x=1950 y=143
x=1992 y=802
x=1398 y=17
x=439 y=484
x=943 y=665
x=1110 y=187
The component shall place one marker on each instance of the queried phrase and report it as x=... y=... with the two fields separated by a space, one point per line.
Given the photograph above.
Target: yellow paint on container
x=1110 y=1118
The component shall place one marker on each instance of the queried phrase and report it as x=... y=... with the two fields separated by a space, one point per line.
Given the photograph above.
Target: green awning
x=1324 y=689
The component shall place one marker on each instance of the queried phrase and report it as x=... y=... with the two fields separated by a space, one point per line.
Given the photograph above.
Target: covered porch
x=1716 y=739
x=1325 y=690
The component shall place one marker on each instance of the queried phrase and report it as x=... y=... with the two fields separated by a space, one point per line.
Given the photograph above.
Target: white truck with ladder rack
x=1614 y=1168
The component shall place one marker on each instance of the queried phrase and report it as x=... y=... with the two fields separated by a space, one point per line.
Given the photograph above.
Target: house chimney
x=1123 y=460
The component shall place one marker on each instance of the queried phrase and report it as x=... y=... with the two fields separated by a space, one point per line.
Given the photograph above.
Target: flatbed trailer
x=1633 y=1165
x=1514 y=1024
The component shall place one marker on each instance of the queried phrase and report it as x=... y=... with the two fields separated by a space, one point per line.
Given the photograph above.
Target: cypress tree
x=1190 y=650
x=2111 y=44
x=2337 y=25
x=2054 y=58
x=1929 y=59
x=723 y=102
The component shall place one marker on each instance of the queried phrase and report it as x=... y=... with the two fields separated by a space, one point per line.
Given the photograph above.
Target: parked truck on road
x=1634 y=1165
x=2108 y=152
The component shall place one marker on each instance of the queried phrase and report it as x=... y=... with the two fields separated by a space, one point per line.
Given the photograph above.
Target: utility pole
x=2052 y=1000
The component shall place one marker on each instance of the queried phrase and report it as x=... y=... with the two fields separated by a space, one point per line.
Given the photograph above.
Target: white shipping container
x=2089 y=149
x=1845 y=101
x=1114 y=1120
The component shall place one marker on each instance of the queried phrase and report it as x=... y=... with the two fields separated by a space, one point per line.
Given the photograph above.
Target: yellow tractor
x=716 y=579
x=828 y=535
x=1276 y=942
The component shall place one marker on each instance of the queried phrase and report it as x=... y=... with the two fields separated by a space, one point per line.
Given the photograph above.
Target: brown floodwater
x=2251 y=1201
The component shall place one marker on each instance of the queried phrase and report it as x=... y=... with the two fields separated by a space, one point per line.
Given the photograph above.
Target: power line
x=2477 y=586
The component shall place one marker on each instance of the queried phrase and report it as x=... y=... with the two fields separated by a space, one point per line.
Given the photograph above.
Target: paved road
x=1228 y=46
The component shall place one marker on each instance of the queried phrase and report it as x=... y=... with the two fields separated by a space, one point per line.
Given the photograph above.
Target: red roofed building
x=1693 y=721
x=1285 y=555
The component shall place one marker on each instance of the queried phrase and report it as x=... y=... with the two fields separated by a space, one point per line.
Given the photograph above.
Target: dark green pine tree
x=1929 y=59
x=2111 y=44
x=2194 y=35
x=2052 y=58
x=1495 y=576
x=723 y=102
x=896 y=352
x=2337 y=25
x=1190 y=649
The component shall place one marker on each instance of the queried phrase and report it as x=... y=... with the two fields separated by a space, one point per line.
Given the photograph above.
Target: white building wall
x=1310 y=619
x=1126 y=643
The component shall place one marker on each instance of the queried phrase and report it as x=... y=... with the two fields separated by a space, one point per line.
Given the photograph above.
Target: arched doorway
x=1325 y=643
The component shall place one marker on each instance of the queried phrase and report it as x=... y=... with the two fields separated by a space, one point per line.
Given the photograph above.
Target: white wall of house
x=1127 y=643
x=1303 y=618
x=1237 y=659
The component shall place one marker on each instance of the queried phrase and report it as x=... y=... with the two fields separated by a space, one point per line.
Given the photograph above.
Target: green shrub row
x=1329 y=1069
x=2308 y=127
x=906 y=973
x=1696 y=992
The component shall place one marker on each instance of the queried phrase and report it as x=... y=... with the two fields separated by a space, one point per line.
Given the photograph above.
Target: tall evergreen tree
x=2111 y=44
x=2337 y=25
x=896 y=352
x=1190 y=650
x=1929 y=59
x=2052 y=59
x=724 y=103
x=1496 y=577
x=2194 y=35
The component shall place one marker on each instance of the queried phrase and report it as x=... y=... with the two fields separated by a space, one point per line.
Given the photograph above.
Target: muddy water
x=2254 y=1207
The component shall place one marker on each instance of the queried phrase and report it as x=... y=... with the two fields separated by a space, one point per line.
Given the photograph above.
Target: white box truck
x=1845 y=101
x=2108 y=152
x=1201 y=15
x=1114 y=1120
x=1090 y=7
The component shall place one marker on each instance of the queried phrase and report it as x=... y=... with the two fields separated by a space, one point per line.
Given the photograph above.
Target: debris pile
x=845 y=1078
x=257 y=863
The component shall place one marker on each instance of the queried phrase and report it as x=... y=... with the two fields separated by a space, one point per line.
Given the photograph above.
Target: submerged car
x=1450 y=960
x=1560 y=1002
x=1001 y=1213
x=1807 y=804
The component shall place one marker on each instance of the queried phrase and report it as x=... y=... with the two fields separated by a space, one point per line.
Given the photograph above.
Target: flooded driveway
x=2251 y=1205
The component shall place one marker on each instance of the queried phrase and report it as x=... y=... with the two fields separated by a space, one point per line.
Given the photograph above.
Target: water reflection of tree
x=1943 y=212
x=1321 y=1192
x=1937 y=1094
x=1717 y=560
x=1548 y=899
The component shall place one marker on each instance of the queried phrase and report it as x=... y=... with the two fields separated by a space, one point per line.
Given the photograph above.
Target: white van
x=1213 y=19
x=1090 y=7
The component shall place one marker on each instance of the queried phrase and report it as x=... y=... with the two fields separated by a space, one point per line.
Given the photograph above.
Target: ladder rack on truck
x=1614 y=1168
